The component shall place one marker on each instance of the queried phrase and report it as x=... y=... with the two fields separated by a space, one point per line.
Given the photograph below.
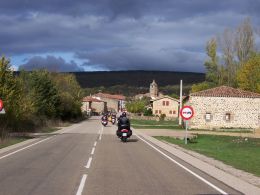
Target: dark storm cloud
x=165 y=34
x=138 y=59
x=50 y=63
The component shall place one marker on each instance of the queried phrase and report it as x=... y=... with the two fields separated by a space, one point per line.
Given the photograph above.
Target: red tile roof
x=91 y=99
x=110 y=96
x=224 y=91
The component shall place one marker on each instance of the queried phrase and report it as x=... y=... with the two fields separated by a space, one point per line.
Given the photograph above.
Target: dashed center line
x=82 y=184
x=89 y=163
x=100 y=136
x=95 y=144
x=93 y=150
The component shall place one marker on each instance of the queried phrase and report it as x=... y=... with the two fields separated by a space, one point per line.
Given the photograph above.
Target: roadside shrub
x=162 y=117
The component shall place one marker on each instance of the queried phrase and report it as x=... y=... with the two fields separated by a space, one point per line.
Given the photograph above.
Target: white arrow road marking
x=185 y=168
x=82 y=184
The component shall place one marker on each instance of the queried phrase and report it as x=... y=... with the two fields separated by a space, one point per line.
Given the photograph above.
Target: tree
x=211 y=64
x=228 y=71
x=136 y=106
x=244 y=42
x=201 y=86
x=44 y=94
x=11 y=94
x=249 y=75
x=70 y=95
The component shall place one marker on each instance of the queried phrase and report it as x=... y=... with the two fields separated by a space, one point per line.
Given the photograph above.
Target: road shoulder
x=237 y=179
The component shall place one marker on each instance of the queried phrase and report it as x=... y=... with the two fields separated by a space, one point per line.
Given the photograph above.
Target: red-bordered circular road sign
x=187 y=112
x=1 y=105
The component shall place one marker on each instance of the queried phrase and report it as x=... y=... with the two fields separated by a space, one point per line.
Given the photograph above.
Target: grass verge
x=153 y=124
x=241 y=153
x=12 y=140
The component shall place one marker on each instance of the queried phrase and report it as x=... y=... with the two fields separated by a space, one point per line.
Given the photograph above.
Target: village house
x=92 y=105
x=166 y=105
x=225 y=107
x=114 y=102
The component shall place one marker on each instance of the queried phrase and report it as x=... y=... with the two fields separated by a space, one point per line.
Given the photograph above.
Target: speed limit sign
x=187 y=112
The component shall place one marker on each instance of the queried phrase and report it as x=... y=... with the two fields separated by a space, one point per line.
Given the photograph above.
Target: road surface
x=89 y=159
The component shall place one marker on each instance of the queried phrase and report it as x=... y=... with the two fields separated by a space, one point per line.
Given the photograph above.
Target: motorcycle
x=113 y=121
x=125 y=133
x=104 y=122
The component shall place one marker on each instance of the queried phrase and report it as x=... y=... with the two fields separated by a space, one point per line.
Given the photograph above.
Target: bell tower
x=153 y=89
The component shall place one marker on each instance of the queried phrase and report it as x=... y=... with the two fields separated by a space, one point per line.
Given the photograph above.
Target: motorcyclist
x=123 y=123
x=104 y=117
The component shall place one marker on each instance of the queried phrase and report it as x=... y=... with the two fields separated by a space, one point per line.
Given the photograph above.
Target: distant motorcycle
x=104 y=122
x=113 y=121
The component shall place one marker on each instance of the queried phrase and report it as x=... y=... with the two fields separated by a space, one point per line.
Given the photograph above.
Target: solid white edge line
x=185 y=168
x=95 y=144
x=82 y=184
x=93 y=150
x=24 y=148
x=89 y=163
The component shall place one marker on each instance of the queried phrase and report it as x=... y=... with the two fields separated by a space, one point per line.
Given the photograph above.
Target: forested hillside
x=136 y=78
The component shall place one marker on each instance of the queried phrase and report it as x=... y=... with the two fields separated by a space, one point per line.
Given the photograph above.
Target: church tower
x=153 y=89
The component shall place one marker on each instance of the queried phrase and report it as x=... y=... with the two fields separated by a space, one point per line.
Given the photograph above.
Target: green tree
x=70 y=94
x=211 y=65
x=201 y=86
x=44 y=94
x=249 y=75
x=136 y=106
x=11 y=94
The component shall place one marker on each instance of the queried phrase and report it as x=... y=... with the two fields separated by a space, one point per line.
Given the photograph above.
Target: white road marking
x=24 y=148
x=93 y=150
x=100 y=136
x=95 y=144
x=82 y=184
x=89 y=163
x=185 y=168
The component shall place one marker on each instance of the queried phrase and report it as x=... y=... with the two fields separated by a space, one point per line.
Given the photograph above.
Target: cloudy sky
x=93 y=35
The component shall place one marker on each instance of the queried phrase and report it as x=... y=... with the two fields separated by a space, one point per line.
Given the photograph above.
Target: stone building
x=166 y=105
x=93 y=105
x=225 y=107
x=154 y=92
x=114 y=102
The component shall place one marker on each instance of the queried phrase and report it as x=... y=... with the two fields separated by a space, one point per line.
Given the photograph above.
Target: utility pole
x=180 y=119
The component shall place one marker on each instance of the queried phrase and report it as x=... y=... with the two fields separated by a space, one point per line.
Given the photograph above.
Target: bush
x=148 y=112
x=162 y=117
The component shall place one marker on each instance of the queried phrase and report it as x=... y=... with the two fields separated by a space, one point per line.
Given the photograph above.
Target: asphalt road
x=89 y=159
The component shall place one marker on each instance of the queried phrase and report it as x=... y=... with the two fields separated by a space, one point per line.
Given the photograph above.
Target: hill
x=136 y=78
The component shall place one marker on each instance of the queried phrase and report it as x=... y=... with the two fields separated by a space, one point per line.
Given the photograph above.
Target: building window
x=174 y=112
x=170 y=112
x=163 y=103
x=156 y=111
x=167 y=103
x=208 y=116
x=160 y=112
x=228 y=117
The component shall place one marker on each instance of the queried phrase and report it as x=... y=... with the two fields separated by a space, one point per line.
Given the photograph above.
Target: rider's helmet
x=123 y=114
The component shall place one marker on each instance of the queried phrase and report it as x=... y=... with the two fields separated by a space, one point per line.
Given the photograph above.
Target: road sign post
x=187 y=113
